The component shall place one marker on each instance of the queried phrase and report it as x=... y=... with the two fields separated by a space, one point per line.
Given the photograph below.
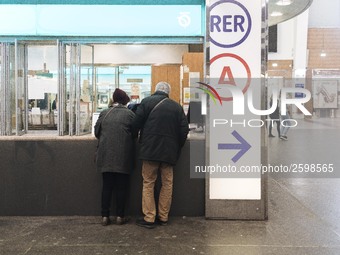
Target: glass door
x=21 y=109
x=27 y=86
x=37 y=78
x=76 y=88
x=84 y=90
x=7 y=88
x=61 y=97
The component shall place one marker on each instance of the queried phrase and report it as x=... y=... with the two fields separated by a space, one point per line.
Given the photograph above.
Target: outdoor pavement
x=304 y=217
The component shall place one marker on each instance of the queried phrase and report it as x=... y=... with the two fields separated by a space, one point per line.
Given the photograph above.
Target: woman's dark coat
x=116 y=142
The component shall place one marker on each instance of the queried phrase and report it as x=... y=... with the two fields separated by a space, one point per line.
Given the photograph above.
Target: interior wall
x=170 y=74
x=324 y=13
x=285 y=41
x=324 y=40
x=139 y=54
x=111 y=54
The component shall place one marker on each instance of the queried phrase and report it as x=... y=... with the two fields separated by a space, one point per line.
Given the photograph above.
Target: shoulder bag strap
x=100 y=124
x=157 y=105
x=152 y=112
x=107 y=114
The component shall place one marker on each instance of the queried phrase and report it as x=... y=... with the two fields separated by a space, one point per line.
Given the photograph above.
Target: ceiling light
x=276 y=14
x=323 y=54
x=274 y=65
x=284 y=2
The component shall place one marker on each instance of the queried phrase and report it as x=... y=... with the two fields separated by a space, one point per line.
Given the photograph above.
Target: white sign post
x=235 y=140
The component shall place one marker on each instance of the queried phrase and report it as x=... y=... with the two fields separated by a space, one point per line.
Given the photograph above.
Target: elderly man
x=163 y=131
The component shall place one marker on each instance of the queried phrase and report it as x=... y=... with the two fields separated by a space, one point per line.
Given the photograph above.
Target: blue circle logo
x=228 y=29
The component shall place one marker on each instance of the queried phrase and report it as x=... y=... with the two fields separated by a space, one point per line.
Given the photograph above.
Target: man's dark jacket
x=163 y=132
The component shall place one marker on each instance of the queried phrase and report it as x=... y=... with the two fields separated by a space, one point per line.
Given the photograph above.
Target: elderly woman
x=115 y=149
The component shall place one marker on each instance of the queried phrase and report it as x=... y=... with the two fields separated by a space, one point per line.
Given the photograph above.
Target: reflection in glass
x=42 y=81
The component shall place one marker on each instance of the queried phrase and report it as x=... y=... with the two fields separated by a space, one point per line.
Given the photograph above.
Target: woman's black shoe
x=121 y=220
x=106 y=221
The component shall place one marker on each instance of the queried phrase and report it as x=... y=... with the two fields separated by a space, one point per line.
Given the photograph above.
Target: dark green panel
x=107 y=2
x=58 y=177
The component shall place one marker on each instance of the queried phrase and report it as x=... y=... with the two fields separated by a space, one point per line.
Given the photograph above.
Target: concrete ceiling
x=288 y=11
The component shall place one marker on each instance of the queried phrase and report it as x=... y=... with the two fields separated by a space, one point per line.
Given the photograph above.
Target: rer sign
x=235 y=25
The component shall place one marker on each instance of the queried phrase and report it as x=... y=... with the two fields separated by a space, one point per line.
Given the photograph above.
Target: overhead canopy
x=283 y=11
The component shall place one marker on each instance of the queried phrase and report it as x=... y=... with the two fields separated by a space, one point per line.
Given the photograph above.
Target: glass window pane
x=86 y=88
x=135 y=80
x=42 y=87
x=105 y=86
x=21 y=117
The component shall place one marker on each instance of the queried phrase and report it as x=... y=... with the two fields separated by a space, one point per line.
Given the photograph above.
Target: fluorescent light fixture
x=276 y=14
x=284 y=2
x=274 y=65
x=323 y=54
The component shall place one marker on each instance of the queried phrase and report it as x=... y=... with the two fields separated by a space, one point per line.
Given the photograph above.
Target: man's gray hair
x=164 y=87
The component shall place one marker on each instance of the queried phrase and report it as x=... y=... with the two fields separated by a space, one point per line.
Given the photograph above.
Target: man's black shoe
x=145 y=224
x=161 y=222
